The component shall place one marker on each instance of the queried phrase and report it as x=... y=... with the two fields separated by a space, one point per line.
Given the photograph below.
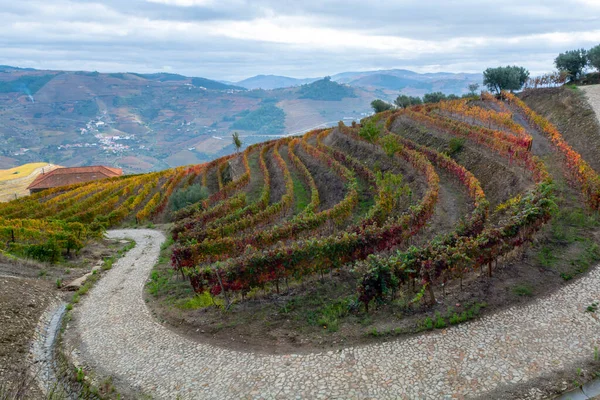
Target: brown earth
x=22 y=302
x=275 y=175
x=26 y=288
x=569 y=111
x=499 y=180
x=331 y=188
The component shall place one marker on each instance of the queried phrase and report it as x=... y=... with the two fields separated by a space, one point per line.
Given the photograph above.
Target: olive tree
x=505 y=78
x=404 y=101
x=572 y=61
x=434 y=97
x=594 y=57
x=380 y=106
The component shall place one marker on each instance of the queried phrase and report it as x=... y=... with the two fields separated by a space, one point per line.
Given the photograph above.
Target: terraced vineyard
x=409 y=204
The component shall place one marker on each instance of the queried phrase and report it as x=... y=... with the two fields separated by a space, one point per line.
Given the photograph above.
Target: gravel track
x=117 y=336
x=592 y=93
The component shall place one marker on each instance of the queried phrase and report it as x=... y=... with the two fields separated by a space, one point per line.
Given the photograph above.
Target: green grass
x=523 y=290
x=365 y=201
x=301 y=195
x=329 y=316
x=438 y=321
x=202 y=300
x=326 y=307
x=255 y=189
x=157 y=282
x=569 y=250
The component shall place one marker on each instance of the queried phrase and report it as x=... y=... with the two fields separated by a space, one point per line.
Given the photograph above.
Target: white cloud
x=230 y=39
x=184 y=3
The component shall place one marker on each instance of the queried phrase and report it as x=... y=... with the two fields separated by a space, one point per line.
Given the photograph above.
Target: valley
x=149 y=122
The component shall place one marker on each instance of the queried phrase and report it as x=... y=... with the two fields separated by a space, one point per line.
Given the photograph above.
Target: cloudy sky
x=235 y=39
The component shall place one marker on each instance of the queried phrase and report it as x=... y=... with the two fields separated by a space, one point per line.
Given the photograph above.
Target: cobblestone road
x=120 y=336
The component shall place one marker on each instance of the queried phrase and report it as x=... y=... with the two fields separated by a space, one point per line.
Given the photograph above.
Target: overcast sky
x=236 y=39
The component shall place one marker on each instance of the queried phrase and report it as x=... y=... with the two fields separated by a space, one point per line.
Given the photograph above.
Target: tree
x=434 y=97
x=380 y=106
x=415 y=100
x=505 y=78
x=594 y=57
x=473 y=87
x=237 y=142
x=404 y=101
x=572 y=61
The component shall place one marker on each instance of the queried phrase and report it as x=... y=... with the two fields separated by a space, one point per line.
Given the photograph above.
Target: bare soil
x=574 y=117
x=331 y=188
x=211 y=180
x=236 y=166
x=26 y=288
x=375 y=158
x=452 y=205
x=276 y=175
x=22 y=302
x=499 y=180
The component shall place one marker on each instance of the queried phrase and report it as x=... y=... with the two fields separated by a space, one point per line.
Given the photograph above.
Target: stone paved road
x=119 y=335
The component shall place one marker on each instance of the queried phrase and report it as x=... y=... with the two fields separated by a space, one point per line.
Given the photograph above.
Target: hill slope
x=273 y=82
x=145 y=122
x=14 y=181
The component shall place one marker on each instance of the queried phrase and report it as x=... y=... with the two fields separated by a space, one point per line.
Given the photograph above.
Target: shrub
x=456 y=145
x=185 y=197
x=369 y=131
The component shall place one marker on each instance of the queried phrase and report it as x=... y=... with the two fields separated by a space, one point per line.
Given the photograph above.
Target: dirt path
x=452 y=205
x=592 y=93
x=116 y=335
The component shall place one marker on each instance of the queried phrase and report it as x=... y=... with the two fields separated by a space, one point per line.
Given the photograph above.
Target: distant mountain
x=214 y=85
x=268 y=82
x=392 y=79
x=325 y=89
x=347 y=77
x=410 y=81
x=390 y=82
x=4 y=68
x=150 y=121
x=142 y=122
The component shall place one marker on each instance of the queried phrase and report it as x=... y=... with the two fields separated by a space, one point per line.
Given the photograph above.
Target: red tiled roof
x=70 y=176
